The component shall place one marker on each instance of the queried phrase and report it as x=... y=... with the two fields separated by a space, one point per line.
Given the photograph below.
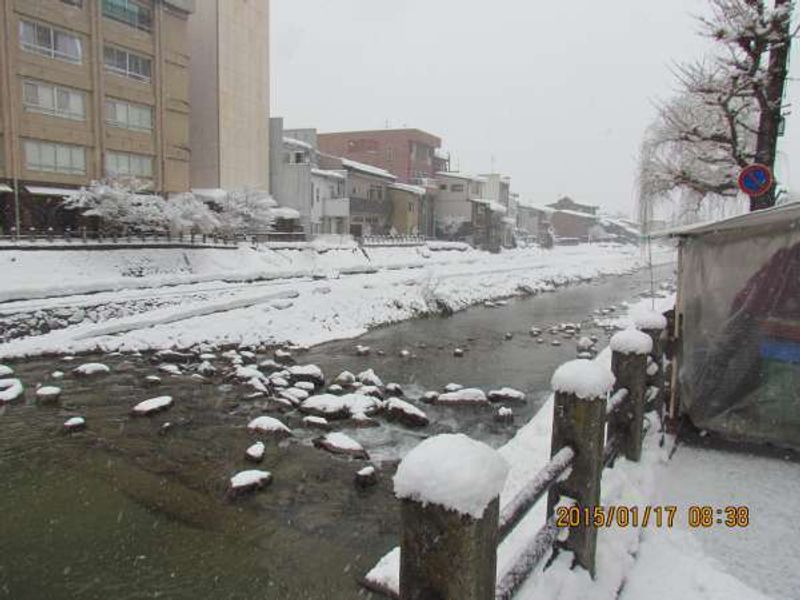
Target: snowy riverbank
x=319 y=304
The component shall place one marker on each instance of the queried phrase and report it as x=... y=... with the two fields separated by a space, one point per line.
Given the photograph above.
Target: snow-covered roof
x=509 y=220
x=459 y=175
x=493 y=206
x=364 y=168
x=414 y=189
x=5 y=188
x=284 y=212
x=328 y=173
x=49 y=191
x=297 y=143
x=577 y=213
x=768 y=216
x=536 y=207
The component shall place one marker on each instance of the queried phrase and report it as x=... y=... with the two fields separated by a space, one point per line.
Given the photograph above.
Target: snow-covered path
x=707 y=562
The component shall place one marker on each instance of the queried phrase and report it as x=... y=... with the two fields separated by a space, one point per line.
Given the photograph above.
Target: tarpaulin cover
x=740 y=355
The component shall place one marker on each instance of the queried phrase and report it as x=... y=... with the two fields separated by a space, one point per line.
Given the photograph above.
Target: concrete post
x=580 y=424
x=447 y=556
x=627 y=422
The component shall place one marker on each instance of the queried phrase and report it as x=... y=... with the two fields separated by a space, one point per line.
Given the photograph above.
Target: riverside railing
x=49 y=238
x=588 y=433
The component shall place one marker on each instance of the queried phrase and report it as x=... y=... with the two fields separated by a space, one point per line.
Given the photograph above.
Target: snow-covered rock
x=345 y=379
x=335 y=388
x=152 y=380
x=458 y=352
x=453 y=387
x=169 y=369
x=384 y=577
x=405 y=353
x=6 y=371
x=366 y=477
x=406 y=413
x=631 y=341
x=10 y=389
x=154 y=405
x=270 y=366
x=430 y=397
x=371 y=390
x=363 y=350
x=269 y=425
x=305 y=385
x=584 y=378
x=88 y=369
x=311 y=373
x=504 y=415
x=313 y=422
x=48 y=393
x=295 y=393
x=508 y=336
x=535 y=332
x=394 y=389
x=472 y=396
x=255 y=453
x=506 y=394
x=279 y=382
x=452 y=471
x=248 y=481
x=585 y=344
x=75 y=424
x=340 y=407
x=284 y=357
x=172 y=356
x=206 y=369
x=555 y=343
x=57 y=374
x=369 y=377
x=340 y=443
x=247 y=373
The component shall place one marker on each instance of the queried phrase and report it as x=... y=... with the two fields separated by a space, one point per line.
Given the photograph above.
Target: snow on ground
x=320 y=311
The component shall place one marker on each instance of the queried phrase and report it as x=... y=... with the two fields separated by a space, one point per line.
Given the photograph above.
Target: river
x=126 y=510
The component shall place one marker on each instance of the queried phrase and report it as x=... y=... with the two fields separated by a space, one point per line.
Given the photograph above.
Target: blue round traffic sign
x=755 y=180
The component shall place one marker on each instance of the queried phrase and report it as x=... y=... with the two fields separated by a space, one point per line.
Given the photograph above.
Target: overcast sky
x=558 y=93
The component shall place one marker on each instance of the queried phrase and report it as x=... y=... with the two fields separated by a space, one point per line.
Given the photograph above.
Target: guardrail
x=588 y=434
x=93 y=239
x=392 y=240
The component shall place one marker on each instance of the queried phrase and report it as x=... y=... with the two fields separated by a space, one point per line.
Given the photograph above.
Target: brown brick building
x=91 y=89
x=408 y=154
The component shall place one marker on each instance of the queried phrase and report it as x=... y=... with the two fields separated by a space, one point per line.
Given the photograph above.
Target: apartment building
x=229 y=42
x=91 y=89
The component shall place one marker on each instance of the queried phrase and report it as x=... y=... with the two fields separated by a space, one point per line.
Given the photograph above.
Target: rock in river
x=152 y=406
x=366 y=477
x=88 y=369
x=249 y=481
x=339 y=443
x=255 y=453
x=269 y=425
x=406 y=413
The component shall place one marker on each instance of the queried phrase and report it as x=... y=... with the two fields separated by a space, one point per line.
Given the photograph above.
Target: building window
x=47 y=41
x=127 y=115
x=443 y=186
x=54 y=158
x=129 y=165
x=127 y=63
x=53 y=100
x=375 y=192
x=135 y=14
x=457 y=187
x=78 y=3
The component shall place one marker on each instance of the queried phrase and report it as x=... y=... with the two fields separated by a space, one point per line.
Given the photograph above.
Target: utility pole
x=772 y=107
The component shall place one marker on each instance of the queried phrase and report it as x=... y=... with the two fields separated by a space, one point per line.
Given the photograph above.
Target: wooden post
x=626 y=423
x=657 y=380
x=580 y=424
x=445 y=555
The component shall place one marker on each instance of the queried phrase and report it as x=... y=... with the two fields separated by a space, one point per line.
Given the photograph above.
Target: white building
x=453 y=205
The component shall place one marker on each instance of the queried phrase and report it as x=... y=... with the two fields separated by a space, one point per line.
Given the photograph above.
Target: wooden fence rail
x=588 y=433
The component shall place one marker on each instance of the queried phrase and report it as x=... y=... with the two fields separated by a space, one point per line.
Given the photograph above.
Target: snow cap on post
x=452 y=471
x=584 y=378
x=650 y=319
x=632 y=341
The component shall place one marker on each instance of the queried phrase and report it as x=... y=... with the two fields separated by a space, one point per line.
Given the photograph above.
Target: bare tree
x=729 y=108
